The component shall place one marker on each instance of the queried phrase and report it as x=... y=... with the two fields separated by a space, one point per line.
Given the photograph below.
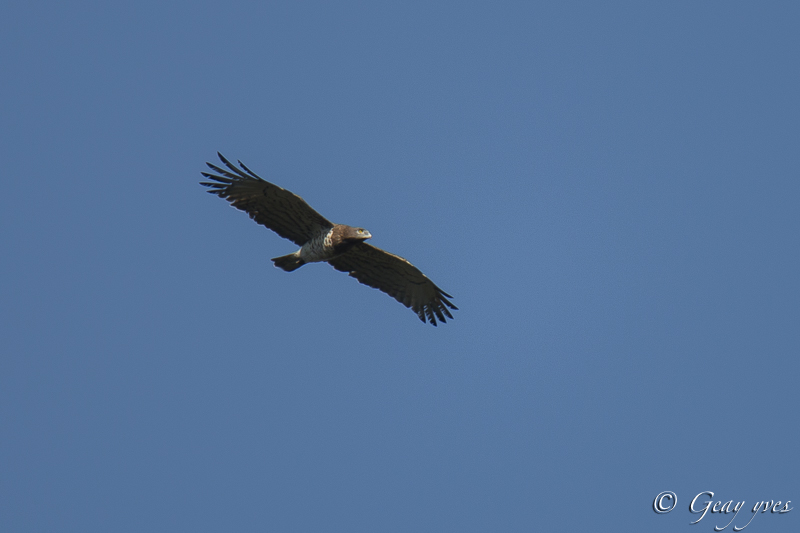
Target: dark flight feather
x=274 y=207
x=398 y=278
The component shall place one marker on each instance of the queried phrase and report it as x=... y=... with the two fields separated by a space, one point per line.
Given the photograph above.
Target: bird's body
x=320 y=240
x=323 y=246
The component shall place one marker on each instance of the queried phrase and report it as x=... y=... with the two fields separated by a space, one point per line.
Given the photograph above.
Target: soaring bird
x=342 y=246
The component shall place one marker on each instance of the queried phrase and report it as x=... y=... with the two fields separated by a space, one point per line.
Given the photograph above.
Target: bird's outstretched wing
x=398 y=278
x=282 y=211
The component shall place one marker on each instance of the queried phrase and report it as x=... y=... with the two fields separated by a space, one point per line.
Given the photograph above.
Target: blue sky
x=610 y=192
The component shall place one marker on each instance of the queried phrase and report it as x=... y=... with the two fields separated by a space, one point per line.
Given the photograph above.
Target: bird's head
x=357 y=234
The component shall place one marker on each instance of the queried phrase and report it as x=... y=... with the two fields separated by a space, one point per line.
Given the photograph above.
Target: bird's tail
x=289 y=262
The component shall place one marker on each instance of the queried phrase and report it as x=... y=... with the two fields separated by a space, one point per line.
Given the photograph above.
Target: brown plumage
x=342 y=246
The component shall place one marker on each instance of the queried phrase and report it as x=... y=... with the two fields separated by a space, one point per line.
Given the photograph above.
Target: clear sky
x=609 y=190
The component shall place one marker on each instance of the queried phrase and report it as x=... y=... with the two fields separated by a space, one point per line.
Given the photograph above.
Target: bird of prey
x=342 y=246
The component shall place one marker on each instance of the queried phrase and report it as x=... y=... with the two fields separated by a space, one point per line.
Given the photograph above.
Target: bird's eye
x=361 y=231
